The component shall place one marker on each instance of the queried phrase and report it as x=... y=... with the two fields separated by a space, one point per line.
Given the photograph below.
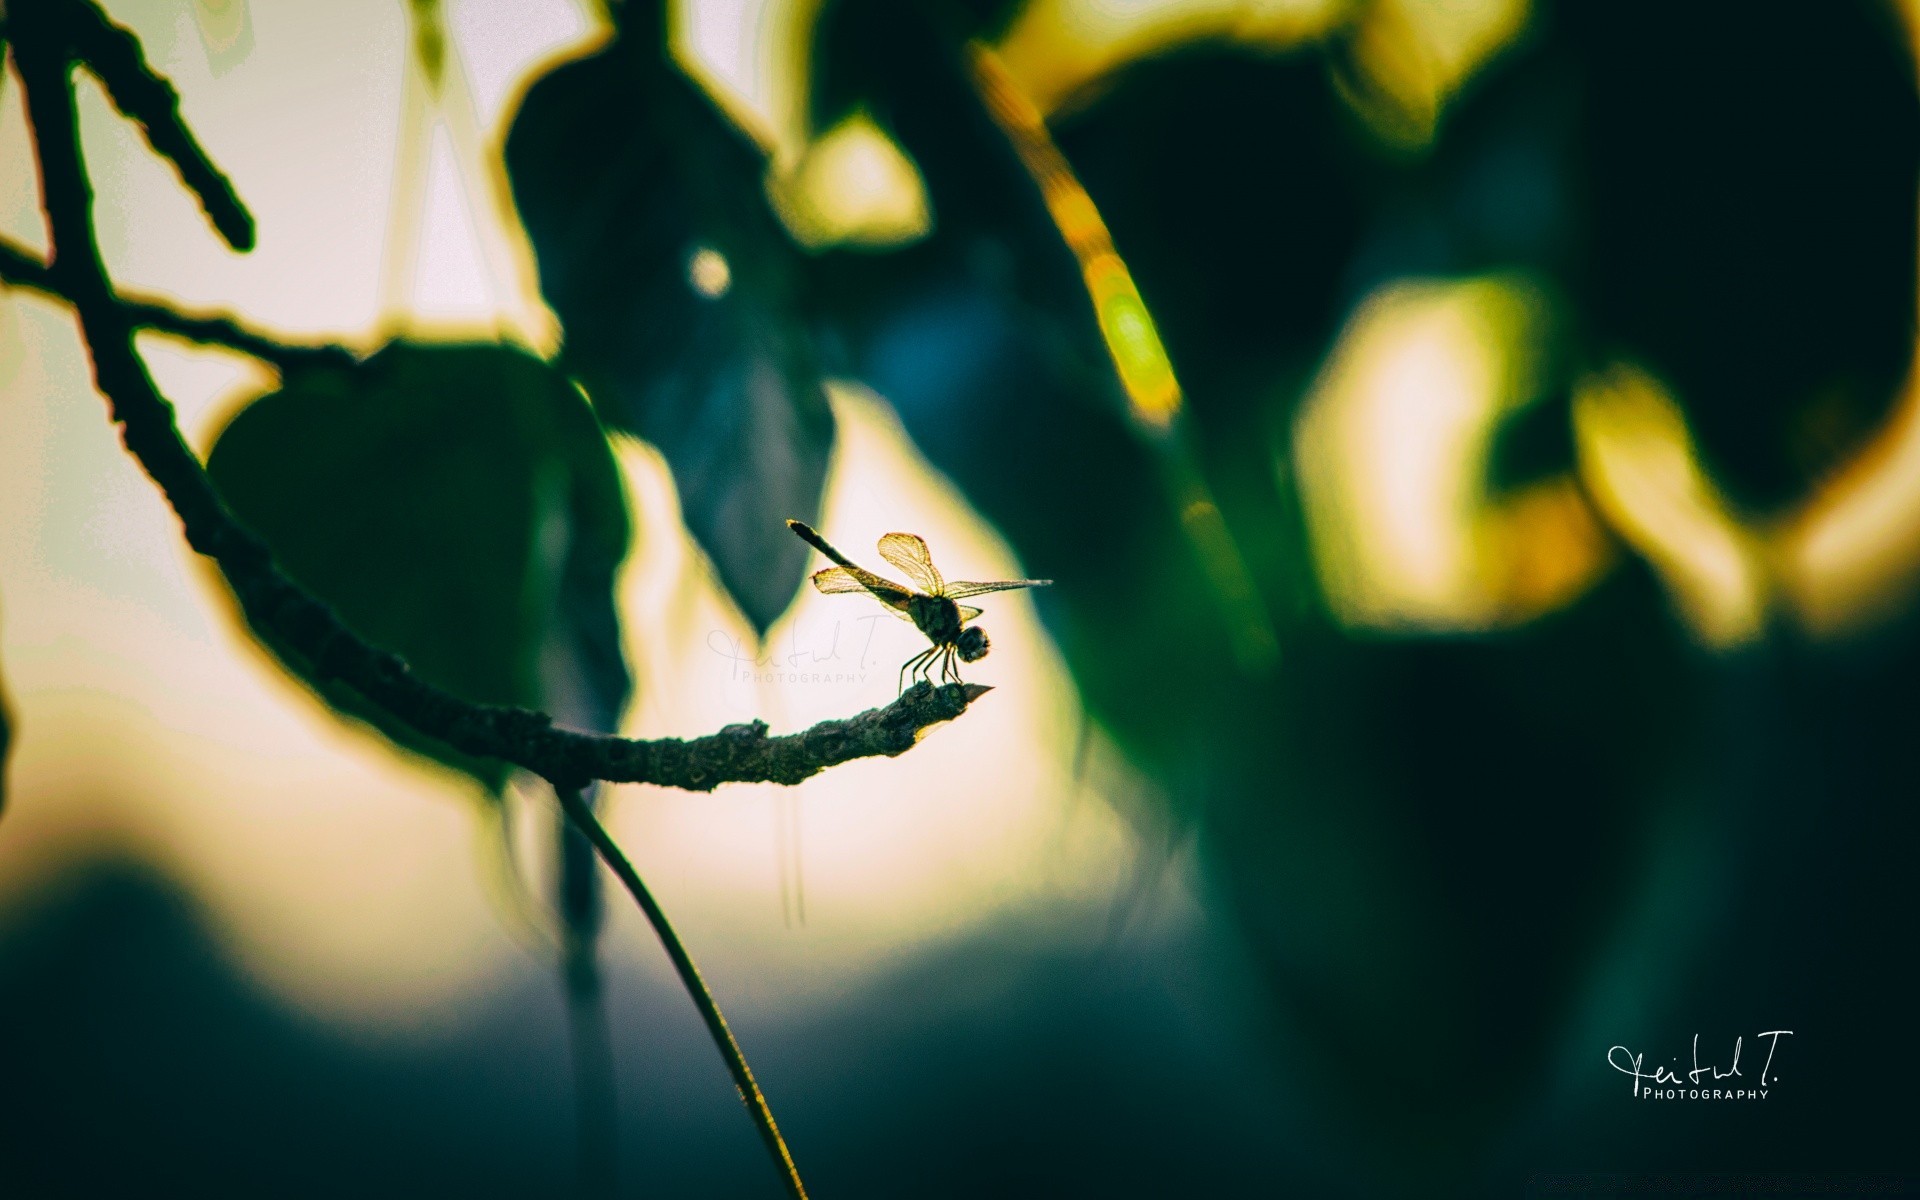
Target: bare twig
x=145 y=97
x=21 y=268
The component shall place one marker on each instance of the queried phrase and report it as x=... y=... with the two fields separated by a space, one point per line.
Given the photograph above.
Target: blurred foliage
x=984 y=338
x=993 y=281
x=6 y=742
x=226 y=31
x=458 y=505
x=682 y=298
x=1748 y=196
x=429 y=22
x=1726 y=198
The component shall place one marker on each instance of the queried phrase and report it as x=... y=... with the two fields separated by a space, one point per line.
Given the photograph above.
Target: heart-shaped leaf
x=681 y=297
x=457 y=504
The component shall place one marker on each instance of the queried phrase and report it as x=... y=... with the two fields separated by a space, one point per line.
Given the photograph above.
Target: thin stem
x=743 y=1081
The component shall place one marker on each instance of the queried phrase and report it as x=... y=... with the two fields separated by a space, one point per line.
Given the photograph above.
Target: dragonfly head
x=972 y=644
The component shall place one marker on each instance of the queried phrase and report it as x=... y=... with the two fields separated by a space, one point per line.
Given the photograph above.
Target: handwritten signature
x=1650 y=1083
x=799 y=664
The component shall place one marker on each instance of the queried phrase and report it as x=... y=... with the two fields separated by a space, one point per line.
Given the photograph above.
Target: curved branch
x=271 y=601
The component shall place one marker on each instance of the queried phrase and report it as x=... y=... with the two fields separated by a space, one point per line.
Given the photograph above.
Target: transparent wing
x=835 y=580
x=967 y=612
x=960 y=589
x=909 y=555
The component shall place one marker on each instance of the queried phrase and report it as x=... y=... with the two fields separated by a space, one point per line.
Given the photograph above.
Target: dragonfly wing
x=836 y=580
x=910 y=556
x=960 y=589
x=967 y=612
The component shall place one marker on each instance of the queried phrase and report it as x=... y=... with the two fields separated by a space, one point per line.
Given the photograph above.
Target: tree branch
x=271 y=601
x=21 y=268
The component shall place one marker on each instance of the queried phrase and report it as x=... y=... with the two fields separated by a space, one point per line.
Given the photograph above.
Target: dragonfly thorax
x=937 y=617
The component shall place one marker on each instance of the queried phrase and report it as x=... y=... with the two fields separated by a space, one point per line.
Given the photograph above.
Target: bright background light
x=352 y=879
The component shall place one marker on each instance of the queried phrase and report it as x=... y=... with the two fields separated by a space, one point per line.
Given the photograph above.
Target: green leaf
x=457 y=504
x=683 y=300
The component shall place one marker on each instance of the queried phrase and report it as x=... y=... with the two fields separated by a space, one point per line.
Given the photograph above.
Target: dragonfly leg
x=913 y=665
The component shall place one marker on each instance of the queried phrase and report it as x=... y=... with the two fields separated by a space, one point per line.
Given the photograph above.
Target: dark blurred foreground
x=1046 y=1064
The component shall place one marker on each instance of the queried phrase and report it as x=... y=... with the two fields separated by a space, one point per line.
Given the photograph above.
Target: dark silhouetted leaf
x=455 y=504
x=1751 y=236
x=863 y=50
x=993 y=242
x=681 y=298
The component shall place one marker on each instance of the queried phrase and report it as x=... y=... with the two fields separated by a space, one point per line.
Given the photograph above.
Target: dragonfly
x=929 y=603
